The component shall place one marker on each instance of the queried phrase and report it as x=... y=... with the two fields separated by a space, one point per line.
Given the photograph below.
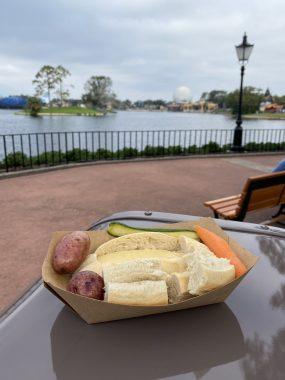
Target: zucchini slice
x=119 y=229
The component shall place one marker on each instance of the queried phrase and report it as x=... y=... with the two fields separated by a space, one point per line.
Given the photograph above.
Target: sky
x=147 y=47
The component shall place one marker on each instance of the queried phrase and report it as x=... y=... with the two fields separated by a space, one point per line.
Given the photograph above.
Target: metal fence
x=30 y=150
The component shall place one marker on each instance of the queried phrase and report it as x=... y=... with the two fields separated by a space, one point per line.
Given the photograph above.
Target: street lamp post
x=243 y=53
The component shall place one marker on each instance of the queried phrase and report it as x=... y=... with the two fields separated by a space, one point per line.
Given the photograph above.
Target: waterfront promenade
x=34 y=206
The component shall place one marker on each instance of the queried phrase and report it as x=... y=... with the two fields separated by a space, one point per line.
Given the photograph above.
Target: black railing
x=25 y=151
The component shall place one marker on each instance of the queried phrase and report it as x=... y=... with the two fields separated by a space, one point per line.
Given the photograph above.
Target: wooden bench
x=264 y=191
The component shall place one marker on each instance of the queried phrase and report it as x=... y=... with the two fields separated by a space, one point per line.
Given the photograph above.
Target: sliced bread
x=209 y=273
x=141 y=240
x=132 y=271
x=143 y=293
x=177 y=284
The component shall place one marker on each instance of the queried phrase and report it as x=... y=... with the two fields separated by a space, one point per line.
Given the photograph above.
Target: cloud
x=147 y=47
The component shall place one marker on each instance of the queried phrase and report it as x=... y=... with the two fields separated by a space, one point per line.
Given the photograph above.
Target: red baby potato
x=70 y=252
x=88 y=284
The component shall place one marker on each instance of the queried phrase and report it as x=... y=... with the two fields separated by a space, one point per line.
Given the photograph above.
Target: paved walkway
x=34 y=206
x=250 y=164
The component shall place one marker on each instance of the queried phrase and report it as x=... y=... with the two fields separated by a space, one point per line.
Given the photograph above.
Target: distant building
x=75 y=102
x=174 y=107
x=267 y=100
x=187 y=107
x=268 y=104
x=200 y=106
x=182 y=94
x=13 y=102
x=268 y=97
x=211 y=106
x=273 y=108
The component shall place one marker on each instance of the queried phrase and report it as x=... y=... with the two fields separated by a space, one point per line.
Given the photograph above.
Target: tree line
x=50 y=82
x=226 y=101
x=252 y=97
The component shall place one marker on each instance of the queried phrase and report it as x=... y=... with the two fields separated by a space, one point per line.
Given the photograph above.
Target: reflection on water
x=278 y=298
x=265 y=360
x=146 y=348
x=274 y=249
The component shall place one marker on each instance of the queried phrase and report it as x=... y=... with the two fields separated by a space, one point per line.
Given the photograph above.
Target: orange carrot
x=220 y=248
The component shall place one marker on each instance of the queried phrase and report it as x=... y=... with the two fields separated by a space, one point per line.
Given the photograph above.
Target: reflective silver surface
x=243 y=338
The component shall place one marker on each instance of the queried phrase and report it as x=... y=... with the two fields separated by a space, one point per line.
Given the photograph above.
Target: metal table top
x=243 y=338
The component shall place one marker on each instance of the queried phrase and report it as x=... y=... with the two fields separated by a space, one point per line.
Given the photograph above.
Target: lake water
x=92 y=133
x=125 y=121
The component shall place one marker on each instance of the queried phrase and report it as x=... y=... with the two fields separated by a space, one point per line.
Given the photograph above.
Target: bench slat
x=227 y=207
x=225 y=204
x=221 y=200
x=229 y=215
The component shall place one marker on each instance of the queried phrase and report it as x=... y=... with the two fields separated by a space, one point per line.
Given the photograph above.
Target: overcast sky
x=147 y=47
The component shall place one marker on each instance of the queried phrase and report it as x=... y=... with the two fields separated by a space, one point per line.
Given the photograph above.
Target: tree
x=127 y=103
x=252 y=98
x=279 y=99
x=150 y=104
x=204 y=96
x=34 y=105
x=218 y=97
x=98 y=91
x=45 y=81
x=61 y=73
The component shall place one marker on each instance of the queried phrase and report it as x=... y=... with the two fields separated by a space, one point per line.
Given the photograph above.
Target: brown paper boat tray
x=94 y=311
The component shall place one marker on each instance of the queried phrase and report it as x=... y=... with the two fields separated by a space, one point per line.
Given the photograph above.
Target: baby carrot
x=220 y=248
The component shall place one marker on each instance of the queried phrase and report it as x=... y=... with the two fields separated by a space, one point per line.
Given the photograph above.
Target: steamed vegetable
x=220 y=248
x=70 y=252
x=119 y=229
x=88 y=284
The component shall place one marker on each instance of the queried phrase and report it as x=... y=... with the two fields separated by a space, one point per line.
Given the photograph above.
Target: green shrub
x=192 y=149
x=49 y=158
x=77 y=155
x=175 y=150
x=226 y=148
x=148 y=151
x=34 y=106
x=211 y=147
x=264 y=147
x=103 y=154
x=126 y=153
x=15 y=160
x=21 y=160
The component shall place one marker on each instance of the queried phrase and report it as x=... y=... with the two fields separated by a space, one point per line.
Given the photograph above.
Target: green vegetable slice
x=119 y=229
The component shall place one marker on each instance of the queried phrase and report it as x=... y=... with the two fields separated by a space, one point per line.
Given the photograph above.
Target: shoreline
x=279 y=117
x=61 y=114
x=263 y=117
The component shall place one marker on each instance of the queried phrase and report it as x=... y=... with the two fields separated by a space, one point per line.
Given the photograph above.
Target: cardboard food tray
x=94 y=311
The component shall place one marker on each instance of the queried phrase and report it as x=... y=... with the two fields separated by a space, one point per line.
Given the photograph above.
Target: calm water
x=128 y=121
x=106 y=132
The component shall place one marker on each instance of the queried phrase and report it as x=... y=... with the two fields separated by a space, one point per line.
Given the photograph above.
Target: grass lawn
x=266 y=116
x=68 y=111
